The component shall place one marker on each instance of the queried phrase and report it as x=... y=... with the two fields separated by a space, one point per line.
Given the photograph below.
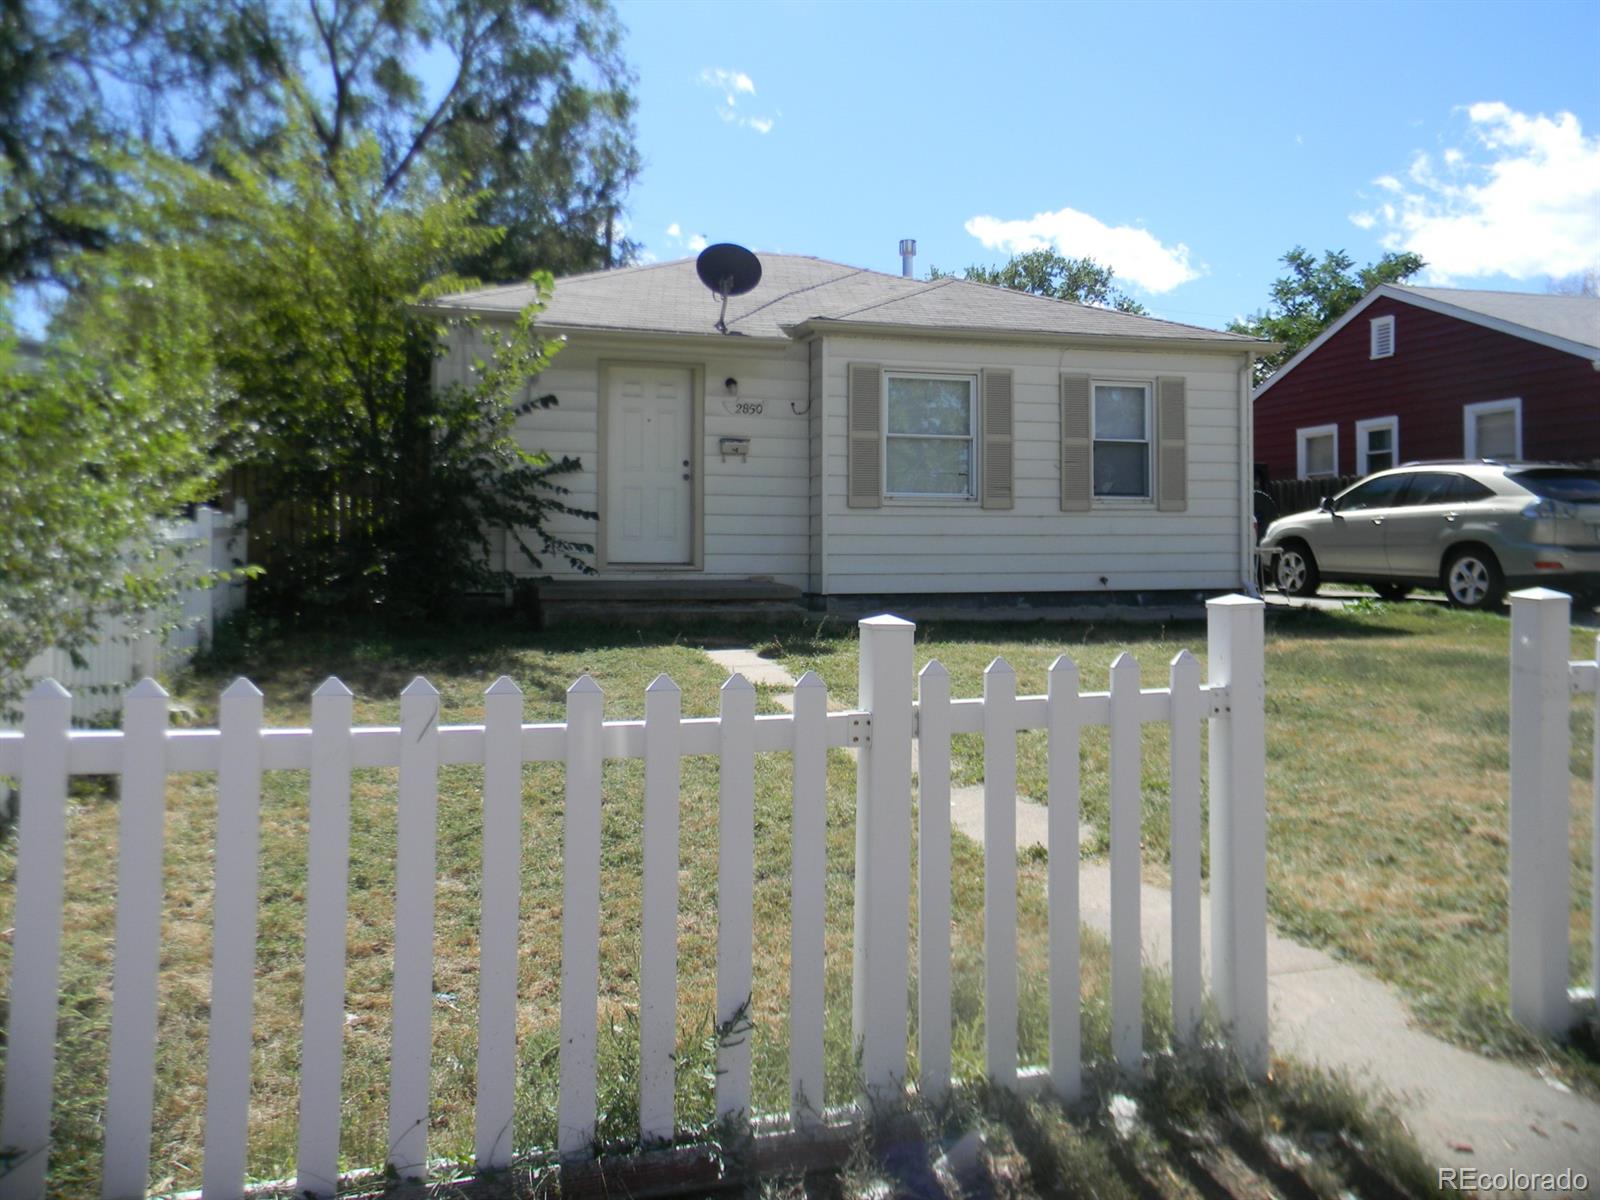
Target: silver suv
x=1471 y=528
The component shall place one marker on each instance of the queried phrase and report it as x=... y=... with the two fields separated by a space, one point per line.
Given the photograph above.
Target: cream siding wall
x=911 y=546
x=756 y=516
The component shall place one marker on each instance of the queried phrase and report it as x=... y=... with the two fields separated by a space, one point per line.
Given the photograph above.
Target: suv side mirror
x=1325 y=505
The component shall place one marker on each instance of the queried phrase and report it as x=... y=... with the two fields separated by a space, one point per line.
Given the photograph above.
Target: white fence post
x=1541 y=859
x=1066 y=987
x=933 y=880
x=1000 y=873
x=31 y=1033
x=580 y=919
x=808 y=902
x=736 y=881
x=658 y=942
x=1234 y=634
x=883 y=854
x=131 y=1080
x=1127 y=976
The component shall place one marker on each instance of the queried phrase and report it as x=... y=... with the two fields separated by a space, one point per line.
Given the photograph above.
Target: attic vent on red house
x=1382 y=337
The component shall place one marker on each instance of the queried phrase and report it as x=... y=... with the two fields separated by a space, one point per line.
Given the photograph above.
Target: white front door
x=649 y=451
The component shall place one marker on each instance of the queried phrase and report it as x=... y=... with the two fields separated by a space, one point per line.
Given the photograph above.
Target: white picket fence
x=889 y=721
x=124 y=652
x=1543 y=682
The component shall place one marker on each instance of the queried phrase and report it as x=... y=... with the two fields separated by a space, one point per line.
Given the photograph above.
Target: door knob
x=1451 y=517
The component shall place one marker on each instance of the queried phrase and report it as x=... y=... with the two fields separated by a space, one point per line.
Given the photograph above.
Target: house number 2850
x=745 y=408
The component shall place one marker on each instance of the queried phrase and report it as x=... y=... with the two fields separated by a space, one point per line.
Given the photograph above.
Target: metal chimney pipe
x=908 y=251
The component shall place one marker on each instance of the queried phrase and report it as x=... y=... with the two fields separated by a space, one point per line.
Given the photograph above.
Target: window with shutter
x=1172 y=444
x=864 y=467
x=998 y=420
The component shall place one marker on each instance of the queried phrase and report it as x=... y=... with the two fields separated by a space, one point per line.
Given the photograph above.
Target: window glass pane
x=1573 y=487
x=1375 y=493
x=942 y=406
x=1121 y=469
x=1319 y=454
x=1378 y=440
x=929 y=466
x=1497 y=434
x=1119 y=411
x=1379 y=461
x=1432 y=487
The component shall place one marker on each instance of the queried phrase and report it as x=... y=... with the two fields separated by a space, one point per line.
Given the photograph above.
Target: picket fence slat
x=893 y=729
x=411 y=1049
x=736 y=853
x=233 y=941
x=1062 y=796
x=933 y=880
x=1184 y=841
x=1127 y=984
x=580 y=920
x=1000 y=873
x=1594 y=850
x=808 y=902
x=41 y=856
x=658 y=951
x=500 y=915
x=327 y=880
x=130 y=1087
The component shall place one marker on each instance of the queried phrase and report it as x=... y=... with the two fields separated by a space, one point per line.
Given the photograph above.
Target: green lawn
x=462 y=663
x=1387 y=760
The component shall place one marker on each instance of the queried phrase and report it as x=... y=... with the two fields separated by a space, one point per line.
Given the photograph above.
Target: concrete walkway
x=1463 y=1110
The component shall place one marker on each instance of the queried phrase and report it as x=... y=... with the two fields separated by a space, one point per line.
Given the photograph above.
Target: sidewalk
x=1462 y=1109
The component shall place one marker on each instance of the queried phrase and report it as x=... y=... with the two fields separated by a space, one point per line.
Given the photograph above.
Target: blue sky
x=1188 y=145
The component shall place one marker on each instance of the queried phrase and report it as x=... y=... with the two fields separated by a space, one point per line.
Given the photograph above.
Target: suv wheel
x=1472 y=579
x=1297 y=570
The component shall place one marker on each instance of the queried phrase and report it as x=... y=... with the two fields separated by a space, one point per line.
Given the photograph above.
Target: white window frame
x=976 y=414
x=1469 y=419
x=1381 y=323
x=1392 y=424
x=1148 y=441
x=1301 y=437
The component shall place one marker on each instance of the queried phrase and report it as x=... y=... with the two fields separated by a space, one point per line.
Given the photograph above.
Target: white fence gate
x=885 y=728
x=1543 y=682
x=122 y=653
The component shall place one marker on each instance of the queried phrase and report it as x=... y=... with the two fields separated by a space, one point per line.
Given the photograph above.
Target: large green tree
x=114 y=425
x=314 y=270
x=1313 y=295
x=527 y=100
x=1049 y=273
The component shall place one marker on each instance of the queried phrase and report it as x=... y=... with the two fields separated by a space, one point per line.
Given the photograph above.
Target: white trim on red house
x=1301 y=436
x=1406 y=296
x=1469 y=423
x=1392 y=424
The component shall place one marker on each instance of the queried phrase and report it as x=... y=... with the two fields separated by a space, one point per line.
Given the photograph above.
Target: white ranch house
x=861 y=434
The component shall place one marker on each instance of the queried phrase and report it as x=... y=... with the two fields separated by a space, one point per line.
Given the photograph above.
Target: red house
x=1436 y=373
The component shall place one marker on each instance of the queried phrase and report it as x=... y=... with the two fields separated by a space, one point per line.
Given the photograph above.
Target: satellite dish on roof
x=728 y=270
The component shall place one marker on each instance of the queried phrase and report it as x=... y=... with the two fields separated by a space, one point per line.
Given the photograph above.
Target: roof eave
x=816 y=326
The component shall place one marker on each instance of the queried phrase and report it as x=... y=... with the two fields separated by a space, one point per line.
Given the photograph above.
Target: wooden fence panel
x=658 y=966
x=1000 y=872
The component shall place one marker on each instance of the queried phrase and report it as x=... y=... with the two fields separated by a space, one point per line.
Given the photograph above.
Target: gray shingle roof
x=1575 y=318
x=794 y=289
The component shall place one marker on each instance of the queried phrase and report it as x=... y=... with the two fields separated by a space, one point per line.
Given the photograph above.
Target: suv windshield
x=1554 y=483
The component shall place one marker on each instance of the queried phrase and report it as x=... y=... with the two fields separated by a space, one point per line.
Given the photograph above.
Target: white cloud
x=734 y=85
x=1520 y=197
x=678 y=240
x=1135 y=254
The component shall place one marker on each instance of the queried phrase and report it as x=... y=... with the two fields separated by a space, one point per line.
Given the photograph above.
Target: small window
x=1317 y=450
x=1383 y=492
x=1122 y=440
x=1493 y=429
x=1377 y=444
x=928 y=441
x=1382 y=337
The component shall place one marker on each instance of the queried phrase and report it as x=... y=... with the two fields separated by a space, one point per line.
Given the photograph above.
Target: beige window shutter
x=1172 y=444
x=1077 y=447
x=998 y=422
x=865 y=455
